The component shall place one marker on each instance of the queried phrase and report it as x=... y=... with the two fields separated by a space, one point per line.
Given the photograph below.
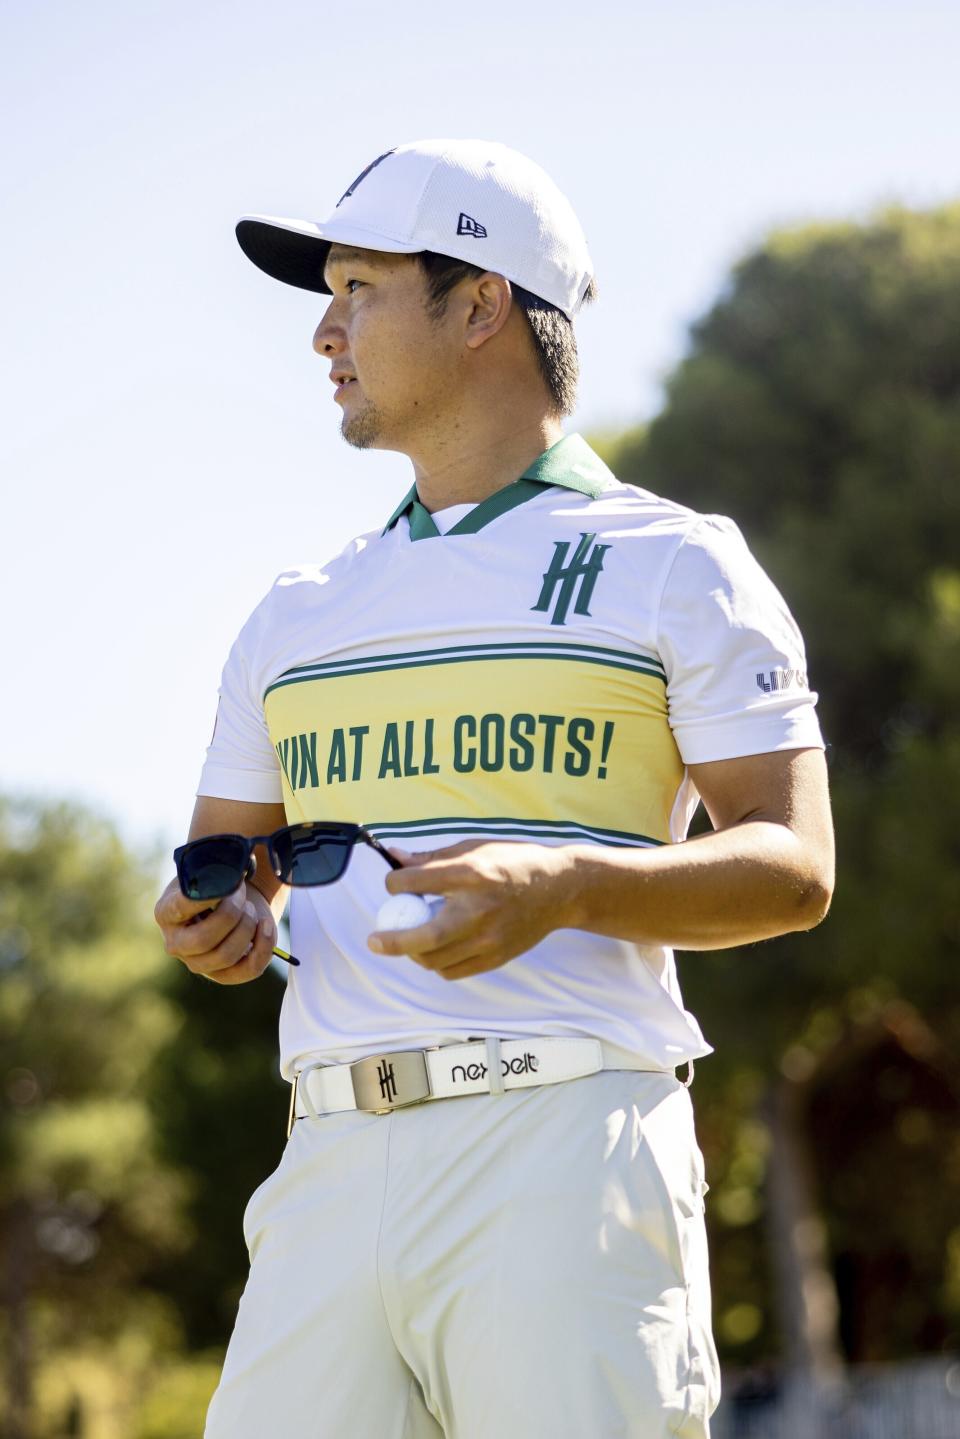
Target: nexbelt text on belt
x=381 y=1083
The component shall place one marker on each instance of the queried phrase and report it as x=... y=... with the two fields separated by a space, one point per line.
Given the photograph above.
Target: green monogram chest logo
x=563 y=581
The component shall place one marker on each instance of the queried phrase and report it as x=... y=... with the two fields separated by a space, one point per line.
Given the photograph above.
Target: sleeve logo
x=772 y=681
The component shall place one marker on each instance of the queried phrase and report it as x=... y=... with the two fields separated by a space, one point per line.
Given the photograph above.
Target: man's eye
x=348 y=285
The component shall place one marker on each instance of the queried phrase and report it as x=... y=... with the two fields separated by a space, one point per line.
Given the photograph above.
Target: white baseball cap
x=473 y=200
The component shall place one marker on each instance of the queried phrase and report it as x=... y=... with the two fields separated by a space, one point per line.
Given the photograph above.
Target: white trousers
x=525 y=1266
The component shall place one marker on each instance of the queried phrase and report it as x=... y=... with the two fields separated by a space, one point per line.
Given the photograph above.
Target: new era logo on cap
x=467 y=225
x=414 y=198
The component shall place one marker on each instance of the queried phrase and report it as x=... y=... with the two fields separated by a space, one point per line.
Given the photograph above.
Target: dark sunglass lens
x=308 y=854
x=213 y=868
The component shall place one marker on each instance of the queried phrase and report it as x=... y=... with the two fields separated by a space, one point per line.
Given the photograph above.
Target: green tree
x=818 y=405
x=85 y=1203
x=141 y=1107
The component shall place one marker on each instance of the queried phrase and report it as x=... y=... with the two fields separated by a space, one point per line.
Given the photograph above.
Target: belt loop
x=689 y=1079
x=494 y=1065
x=308 y=1103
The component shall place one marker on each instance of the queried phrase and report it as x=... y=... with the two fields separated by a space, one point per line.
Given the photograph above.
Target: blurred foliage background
x=819 y=405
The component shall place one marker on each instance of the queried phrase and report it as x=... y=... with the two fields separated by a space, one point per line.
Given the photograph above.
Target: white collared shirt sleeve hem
x=734 y=736
x=734 y=657
x=217 y=782
x=241 y=762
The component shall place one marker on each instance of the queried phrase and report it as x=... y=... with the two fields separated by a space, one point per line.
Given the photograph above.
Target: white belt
x=384 y=1082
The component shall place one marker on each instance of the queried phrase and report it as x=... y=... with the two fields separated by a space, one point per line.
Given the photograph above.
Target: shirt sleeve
x=735 y=662
x=241 y=762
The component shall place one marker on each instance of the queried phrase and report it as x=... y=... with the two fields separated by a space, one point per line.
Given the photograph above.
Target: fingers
x=459 y=940
x=463 y=937
x=477 y=964
x=473 y=950
x=412 y=942
x=213 y=955
x=253 y=963
x=173 y=907
x=458 y=959
x=231 y=944
x=430 y=875
x=205 y=928
x=499 y=901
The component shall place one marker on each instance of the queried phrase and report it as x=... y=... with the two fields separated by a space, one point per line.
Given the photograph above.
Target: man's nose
x=328 y=338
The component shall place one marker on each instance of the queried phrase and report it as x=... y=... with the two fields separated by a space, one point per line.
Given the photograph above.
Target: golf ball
x=405 y=911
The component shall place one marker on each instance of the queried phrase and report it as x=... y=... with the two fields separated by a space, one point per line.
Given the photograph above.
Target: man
x=488 y=1220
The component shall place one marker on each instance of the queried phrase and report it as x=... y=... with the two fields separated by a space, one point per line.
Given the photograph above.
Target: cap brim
x=295 y=251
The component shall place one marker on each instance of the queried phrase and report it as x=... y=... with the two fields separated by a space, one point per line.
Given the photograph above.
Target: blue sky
x=169 y=442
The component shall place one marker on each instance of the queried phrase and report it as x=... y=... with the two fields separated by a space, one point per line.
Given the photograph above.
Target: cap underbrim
x=295 y=251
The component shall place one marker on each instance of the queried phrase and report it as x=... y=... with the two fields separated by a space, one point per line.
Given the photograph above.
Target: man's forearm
x=749 y=882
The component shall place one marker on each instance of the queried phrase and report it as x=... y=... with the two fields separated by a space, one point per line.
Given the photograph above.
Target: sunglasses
x=305 y=854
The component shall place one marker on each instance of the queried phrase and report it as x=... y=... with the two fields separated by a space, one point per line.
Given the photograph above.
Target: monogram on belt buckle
x=383 y=1082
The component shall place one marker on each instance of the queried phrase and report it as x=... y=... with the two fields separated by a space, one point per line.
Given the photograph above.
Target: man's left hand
x=499 y=900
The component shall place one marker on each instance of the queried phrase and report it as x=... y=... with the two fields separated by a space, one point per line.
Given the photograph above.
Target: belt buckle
x=384 y=1082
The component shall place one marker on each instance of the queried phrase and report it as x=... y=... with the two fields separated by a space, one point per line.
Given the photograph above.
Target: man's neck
x=465 y=469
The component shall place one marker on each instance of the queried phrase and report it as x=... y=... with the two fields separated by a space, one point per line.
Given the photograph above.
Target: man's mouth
x=341 y=379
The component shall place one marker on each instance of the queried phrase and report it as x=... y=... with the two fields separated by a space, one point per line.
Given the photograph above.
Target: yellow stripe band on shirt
x=481 y=735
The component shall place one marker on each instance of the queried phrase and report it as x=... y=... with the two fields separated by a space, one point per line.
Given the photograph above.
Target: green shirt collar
x=569 y=463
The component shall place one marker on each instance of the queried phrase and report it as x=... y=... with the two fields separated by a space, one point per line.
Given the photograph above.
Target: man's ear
x=490 y=302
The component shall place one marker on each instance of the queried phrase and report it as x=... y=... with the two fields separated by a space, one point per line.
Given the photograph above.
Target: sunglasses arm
x=383 y=853
x=280 y=953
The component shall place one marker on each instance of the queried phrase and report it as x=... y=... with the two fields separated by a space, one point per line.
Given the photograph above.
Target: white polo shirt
x=543 y=671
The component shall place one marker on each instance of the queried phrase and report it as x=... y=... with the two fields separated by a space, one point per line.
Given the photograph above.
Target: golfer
x=488 y=1221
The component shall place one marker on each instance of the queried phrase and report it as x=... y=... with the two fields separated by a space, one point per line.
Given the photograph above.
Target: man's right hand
x=231 y=944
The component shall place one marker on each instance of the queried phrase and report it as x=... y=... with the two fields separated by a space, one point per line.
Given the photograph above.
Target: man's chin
x=364 y=430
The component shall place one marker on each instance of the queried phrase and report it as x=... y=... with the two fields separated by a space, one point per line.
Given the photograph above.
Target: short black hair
x=553 y=338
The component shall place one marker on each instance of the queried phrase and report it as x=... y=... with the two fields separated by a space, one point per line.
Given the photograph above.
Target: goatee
x=362 y=429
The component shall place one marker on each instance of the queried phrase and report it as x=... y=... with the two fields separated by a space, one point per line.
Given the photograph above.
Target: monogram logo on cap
x=363 y=175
